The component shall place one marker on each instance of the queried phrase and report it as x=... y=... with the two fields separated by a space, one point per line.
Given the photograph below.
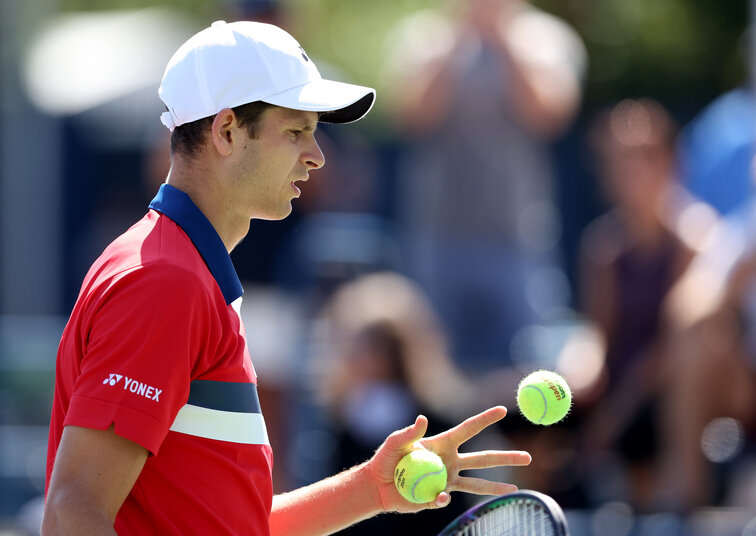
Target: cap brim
x=339 y=102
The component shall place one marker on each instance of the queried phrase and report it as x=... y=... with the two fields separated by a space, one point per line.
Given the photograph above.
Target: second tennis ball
x=420 y=476
x=544 y=397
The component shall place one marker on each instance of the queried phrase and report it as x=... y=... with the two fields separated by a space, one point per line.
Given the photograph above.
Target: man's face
x=269 y=165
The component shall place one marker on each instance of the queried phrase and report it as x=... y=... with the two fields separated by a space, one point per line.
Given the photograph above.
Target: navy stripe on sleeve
x=224 y=396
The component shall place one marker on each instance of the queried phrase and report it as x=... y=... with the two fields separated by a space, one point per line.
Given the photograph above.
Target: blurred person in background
x=481 y=92
x=712 y=308
x=716 y=147
x=709 y=409
x=382 y=359
x=630 y=258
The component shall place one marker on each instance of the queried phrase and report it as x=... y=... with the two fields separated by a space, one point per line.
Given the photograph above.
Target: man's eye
x=296 y=133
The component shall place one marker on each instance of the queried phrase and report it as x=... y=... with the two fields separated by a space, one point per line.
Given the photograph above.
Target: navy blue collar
x=179 y=207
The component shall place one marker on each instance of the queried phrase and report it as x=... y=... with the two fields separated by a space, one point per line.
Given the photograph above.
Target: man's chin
x=275 y=216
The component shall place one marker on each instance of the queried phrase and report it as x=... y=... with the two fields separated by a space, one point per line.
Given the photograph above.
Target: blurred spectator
x=716 y=151
x=387 y=311
x=629 y=260
x=382 y=359
x=710 y=377
x=480 y=93
x=716 y=147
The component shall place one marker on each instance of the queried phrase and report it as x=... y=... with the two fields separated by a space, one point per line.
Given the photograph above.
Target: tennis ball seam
x=545 y=403
x=417 y=481
x=420 y=476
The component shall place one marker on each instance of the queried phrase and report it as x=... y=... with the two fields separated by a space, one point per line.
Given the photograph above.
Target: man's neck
x=206 y=192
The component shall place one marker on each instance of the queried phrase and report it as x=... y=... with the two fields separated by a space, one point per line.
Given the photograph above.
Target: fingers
x=442 y=500
x=493 y=458
x=402 y=440
x=474 y=425
x=481 y=486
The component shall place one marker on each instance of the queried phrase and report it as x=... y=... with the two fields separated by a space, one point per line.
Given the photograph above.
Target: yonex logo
x=134 y=386
x=303 y=54
x=113 y=379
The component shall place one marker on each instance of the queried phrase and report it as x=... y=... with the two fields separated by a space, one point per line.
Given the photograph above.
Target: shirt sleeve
x=140 y=343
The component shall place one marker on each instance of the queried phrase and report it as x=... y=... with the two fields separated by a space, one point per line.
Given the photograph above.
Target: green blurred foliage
x=199 y=8
x=354 y=36
x=682 y=52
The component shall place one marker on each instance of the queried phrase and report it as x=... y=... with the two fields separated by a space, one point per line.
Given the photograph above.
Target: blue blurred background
x=568 y=186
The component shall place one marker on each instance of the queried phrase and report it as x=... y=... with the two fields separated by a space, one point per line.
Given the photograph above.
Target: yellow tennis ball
x=420 y=476
x=544 y=397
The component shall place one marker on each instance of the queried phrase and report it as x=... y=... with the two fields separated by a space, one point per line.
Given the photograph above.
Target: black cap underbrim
x=349 y=114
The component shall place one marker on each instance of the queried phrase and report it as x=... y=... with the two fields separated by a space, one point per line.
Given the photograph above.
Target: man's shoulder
x=155 y=249
x=155 y=239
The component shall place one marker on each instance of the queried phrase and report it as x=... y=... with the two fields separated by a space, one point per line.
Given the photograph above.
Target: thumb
x=442 y=500
x=403 y=439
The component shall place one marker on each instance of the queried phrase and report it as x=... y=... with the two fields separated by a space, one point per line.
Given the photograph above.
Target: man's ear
x=223 y=131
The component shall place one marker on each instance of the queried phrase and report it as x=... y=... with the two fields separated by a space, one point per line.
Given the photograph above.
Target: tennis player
x=156 y=425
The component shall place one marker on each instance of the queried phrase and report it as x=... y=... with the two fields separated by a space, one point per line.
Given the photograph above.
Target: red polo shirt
x=155 y=346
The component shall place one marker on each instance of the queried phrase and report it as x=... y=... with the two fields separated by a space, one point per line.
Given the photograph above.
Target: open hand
x=446 y=445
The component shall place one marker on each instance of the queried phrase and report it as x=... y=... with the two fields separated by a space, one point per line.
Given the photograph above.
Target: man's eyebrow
x=302 y=122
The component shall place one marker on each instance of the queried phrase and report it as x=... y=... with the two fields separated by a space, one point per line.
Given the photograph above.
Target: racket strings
x=514 y=518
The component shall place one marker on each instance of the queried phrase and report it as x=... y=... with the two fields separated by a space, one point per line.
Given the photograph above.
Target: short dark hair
x=188 y=138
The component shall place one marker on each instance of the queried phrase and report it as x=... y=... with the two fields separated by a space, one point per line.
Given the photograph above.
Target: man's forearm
x=327 y=506
x=69 y=514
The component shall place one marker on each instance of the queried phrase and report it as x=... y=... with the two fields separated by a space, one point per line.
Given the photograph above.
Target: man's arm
x=368 y=489
x=93 y=474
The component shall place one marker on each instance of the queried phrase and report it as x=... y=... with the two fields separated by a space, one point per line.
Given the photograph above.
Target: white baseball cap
x=230 y=64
